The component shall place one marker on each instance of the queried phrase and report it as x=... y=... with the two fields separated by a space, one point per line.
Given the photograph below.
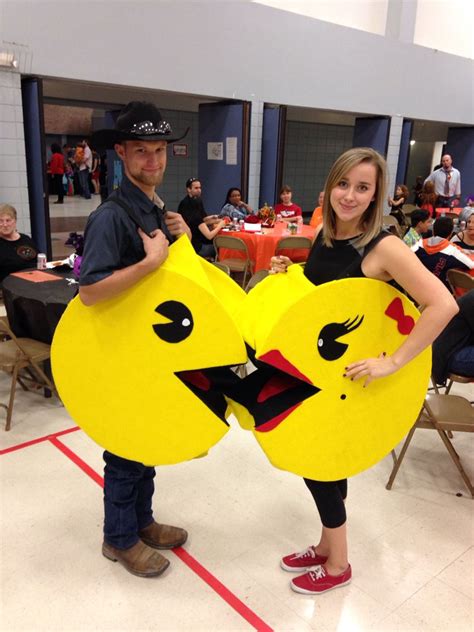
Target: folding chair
x=445 y=414
x=221 y=266
x=17 y=354
x=409 y=208
x=459 y=280
x=294 y=243
x=392 y=224
x=255 y=279
x=233 y=263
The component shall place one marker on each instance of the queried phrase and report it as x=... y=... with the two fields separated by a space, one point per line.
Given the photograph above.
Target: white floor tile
x=411 y=548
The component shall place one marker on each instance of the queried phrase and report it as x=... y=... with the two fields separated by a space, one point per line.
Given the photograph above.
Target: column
x=13 y=180
x=256 y=127
x=393 y=150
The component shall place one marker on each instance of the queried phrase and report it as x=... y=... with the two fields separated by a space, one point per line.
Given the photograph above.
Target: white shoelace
x=318 y=573
x=309 y=551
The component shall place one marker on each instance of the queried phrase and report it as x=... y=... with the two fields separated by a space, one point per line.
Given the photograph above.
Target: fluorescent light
x=7 y=60
x=412 y=142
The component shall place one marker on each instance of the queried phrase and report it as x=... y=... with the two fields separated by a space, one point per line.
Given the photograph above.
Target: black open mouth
x=273 y=391
x=209 y=385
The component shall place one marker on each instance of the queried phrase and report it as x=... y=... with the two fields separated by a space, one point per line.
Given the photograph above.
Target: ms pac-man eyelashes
x=328 y=347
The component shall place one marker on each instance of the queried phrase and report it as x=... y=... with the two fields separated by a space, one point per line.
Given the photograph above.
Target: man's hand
x=176 y=224
x=156 y=248
x=279 y=264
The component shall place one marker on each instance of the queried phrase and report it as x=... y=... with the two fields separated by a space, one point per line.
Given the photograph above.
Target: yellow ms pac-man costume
x=306 y=416
x=139 y=386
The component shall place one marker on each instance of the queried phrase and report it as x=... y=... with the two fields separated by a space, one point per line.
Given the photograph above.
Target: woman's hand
x=372 y=368
x=279 y=264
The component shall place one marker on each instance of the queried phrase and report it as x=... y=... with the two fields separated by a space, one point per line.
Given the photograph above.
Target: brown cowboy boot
x=163 y=536
x=139 y=559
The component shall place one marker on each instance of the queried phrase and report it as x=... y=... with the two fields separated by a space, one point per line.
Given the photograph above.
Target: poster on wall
x=180 y=149
x=215 y=151
x=231 y=150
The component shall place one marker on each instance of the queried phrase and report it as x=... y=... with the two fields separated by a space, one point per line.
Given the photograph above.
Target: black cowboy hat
x=138 y=120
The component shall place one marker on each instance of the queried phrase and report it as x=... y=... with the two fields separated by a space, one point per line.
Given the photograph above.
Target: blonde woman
x=351 y=243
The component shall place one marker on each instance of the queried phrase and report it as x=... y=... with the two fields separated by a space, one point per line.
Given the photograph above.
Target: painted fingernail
x=352 y=379
x=343 y=375
x=384 y=354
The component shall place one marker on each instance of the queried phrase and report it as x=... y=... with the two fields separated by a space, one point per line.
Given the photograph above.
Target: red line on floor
x=27 y=444
x=77 y=460
x=223 y=592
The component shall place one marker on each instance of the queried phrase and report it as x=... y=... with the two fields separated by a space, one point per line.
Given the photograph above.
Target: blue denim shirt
x=111 y=239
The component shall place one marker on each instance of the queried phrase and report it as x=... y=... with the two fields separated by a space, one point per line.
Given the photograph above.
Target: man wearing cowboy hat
x=126 y=238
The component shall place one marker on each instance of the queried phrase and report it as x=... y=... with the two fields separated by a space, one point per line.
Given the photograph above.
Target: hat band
x=147 y=128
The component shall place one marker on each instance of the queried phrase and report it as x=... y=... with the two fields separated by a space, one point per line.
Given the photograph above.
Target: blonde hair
x=371 y=220
x=8 y=209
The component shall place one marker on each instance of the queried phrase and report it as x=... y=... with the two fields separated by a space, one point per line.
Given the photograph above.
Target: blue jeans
x=84 y=182
x=462 y=362
x=128 y=494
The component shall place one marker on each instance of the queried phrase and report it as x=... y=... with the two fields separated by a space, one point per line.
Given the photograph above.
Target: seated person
x=465 y=238
x=438 y=254
x=289 y=211
x=317 y=216
x=453 y=349
x=396 y=203
x=420 y=223
x=203 y=227
x=17 y=251
x=234 y=207
x=428 y=197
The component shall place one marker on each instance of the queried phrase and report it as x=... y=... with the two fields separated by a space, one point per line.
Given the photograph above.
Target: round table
x=262 y=246
x=34 y=308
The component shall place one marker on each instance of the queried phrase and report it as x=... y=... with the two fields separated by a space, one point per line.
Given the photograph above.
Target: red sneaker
x=303 y=561
x=319 y=581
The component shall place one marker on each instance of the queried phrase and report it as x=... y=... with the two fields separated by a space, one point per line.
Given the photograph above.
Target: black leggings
x=329 y=498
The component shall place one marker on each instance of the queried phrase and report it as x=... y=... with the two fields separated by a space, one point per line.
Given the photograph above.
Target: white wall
x=239 y=50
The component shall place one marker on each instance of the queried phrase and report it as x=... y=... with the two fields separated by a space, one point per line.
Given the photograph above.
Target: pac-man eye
x=328 y=347
x=180 y=323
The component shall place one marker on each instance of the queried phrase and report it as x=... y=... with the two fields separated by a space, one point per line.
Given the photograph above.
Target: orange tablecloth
x=456 y=209
x=262 y=246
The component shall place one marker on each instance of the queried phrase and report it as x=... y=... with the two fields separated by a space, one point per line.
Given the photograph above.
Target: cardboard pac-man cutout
x=135 y=372
x=306 y=416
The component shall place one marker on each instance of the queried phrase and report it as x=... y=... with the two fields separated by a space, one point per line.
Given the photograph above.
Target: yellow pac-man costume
x=306 y=416
x=142 y=385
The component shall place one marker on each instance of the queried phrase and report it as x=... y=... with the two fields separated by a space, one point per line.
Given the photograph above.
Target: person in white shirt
x=84 y=170
x=447 y=182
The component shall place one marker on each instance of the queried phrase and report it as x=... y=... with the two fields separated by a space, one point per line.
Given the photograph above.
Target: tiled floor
x=68 y=217
x=411 y=548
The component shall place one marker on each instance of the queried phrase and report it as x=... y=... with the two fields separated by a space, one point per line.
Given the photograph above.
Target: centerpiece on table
x=267 y=216
x=252 y=224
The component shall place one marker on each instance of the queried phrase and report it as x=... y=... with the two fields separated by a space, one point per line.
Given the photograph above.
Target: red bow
x=404 y=323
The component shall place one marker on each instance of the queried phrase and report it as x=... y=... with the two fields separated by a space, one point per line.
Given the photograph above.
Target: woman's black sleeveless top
x=342 y=261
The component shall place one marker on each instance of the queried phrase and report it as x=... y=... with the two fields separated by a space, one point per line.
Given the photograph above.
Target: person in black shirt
x=203 y=227
x=351 y=243
x=127 y=238
x=17 y=251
